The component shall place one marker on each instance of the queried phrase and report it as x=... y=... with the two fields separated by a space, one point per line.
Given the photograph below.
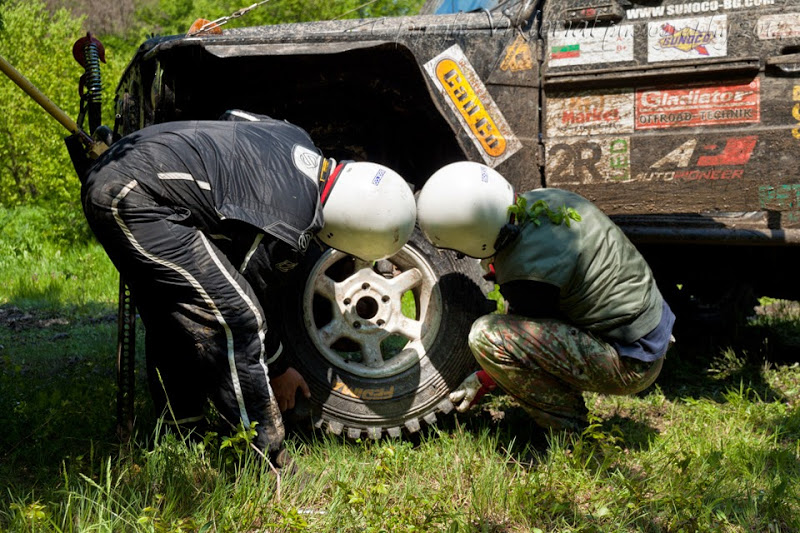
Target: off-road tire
x=358 y=387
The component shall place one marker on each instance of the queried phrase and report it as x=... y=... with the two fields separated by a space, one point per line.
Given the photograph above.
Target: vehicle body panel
x=680 y=119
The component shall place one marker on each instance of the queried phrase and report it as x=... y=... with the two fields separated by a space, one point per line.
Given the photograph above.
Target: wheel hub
x=366 y=330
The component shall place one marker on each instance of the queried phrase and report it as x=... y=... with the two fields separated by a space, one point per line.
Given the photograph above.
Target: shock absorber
x=89 y=52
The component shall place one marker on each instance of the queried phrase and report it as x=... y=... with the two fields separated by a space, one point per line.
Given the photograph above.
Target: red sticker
x=737 y=151
x=699 y=106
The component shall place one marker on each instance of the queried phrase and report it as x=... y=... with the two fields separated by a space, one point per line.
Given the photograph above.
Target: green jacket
x=606 y=286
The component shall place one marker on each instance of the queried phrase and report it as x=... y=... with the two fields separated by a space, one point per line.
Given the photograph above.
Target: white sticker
x=693 y=8
x=590 y=45
x=468 y=99
x=590 y=113
x=784 y=26
x=584 y=161
x=695 y=38
x=306 y=161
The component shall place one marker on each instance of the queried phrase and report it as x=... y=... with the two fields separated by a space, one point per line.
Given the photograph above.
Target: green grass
x=48 y=262
x=713 y=446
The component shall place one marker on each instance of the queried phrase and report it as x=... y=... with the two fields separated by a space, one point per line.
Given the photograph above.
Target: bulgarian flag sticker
x=564 y=52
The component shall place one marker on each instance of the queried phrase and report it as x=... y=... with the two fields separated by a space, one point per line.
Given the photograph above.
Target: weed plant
x=713 y=446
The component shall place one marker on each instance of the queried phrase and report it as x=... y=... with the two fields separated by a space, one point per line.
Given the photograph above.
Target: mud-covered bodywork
x=360 y=87
x=680 y=119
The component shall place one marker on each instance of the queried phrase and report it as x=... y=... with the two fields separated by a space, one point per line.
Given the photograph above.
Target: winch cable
x=224 y=20
x=365 y=4
x=214 y=24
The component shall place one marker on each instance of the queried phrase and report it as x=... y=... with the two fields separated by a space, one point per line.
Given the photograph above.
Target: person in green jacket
x=584 y=312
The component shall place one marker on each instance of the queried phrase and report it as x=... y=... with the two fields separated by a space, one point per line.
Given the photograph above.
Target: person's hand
x=285 y=387
x=472 y=390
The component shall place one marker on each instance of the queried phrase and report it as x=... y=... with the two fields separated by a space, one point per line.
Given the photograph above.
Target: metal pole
x=126 y=354
x=37 y=95
x=95 y=148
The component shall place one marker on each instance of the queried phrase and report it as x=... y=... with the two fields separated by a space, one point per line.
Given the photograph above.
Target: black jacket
x=265 y=173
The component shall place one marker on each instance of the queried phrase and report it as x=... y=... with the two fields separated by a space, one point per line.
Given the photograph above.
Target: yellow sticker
x=363 y=394
x=518 y=56
x=472 y=110
x=470 y=101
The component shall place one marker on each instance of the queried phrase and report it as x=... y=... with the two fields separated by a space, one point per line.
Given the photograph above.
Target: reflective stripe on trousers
x=204 y=326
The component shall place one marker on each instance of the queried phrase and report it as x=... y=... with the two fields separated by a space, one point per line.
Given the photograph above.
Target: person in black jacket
x=202 y=218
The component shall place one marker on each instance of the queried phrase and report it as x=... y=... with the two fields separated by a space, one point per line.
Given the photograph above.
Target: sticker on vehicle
x=693 y=8
x=784 y=198
x=711 y=159
x=583 y=162
x=361 y=393
x=468 y=98
x=698 y=106
x=590 y=113
x=586 y=46
x=783 y=26
x=796 y=111
x=693 y=38
x=518 y=57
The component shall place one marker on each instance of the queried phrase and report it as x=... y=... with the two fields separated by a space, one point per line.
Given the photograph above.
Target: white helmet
x=369 y=211
x=463 y=206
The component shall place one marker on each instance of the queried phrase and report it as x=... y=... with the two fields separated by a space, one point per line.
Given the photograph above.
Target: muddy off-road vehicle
x=680 y=119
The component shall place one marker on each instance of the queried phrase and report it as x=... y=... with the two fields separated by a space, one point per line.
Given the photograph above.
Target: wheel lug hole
x=357 y=325
x=381 y=322
x=385 y=298
x=347 y=301
x=365 y=286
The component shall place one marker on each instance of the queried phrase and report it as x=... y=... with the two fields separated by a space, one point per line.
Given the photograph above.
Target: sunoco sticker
x=694 y=8
x=694 y=38
x=590 y=113
x=784 y=26
x=465 y=93
x=591 y=45
x=699 y=106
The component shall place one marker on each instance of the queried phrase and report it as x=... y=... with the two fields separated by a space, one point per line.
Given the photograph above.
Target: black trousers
x=206 y=332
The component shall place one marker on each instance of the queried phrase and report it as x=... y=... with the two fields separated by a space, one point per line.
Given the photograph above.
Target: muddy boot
x=287 y=469
x=283 y=462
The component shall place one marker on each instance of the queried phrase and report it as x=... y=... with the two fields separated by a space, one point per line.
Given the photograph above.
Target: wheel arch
x=363 y=101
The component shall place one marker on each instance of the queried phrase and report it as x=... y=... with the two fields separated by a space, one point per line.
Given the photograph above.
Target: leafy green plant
x=236 y=446
x=30 y=516
x=291 y=521
x=539 y=209
x=151 y=518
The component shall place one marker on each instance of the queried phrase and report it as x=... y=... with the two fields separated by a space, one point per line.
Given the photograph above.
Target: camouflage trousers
x=546 y=364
